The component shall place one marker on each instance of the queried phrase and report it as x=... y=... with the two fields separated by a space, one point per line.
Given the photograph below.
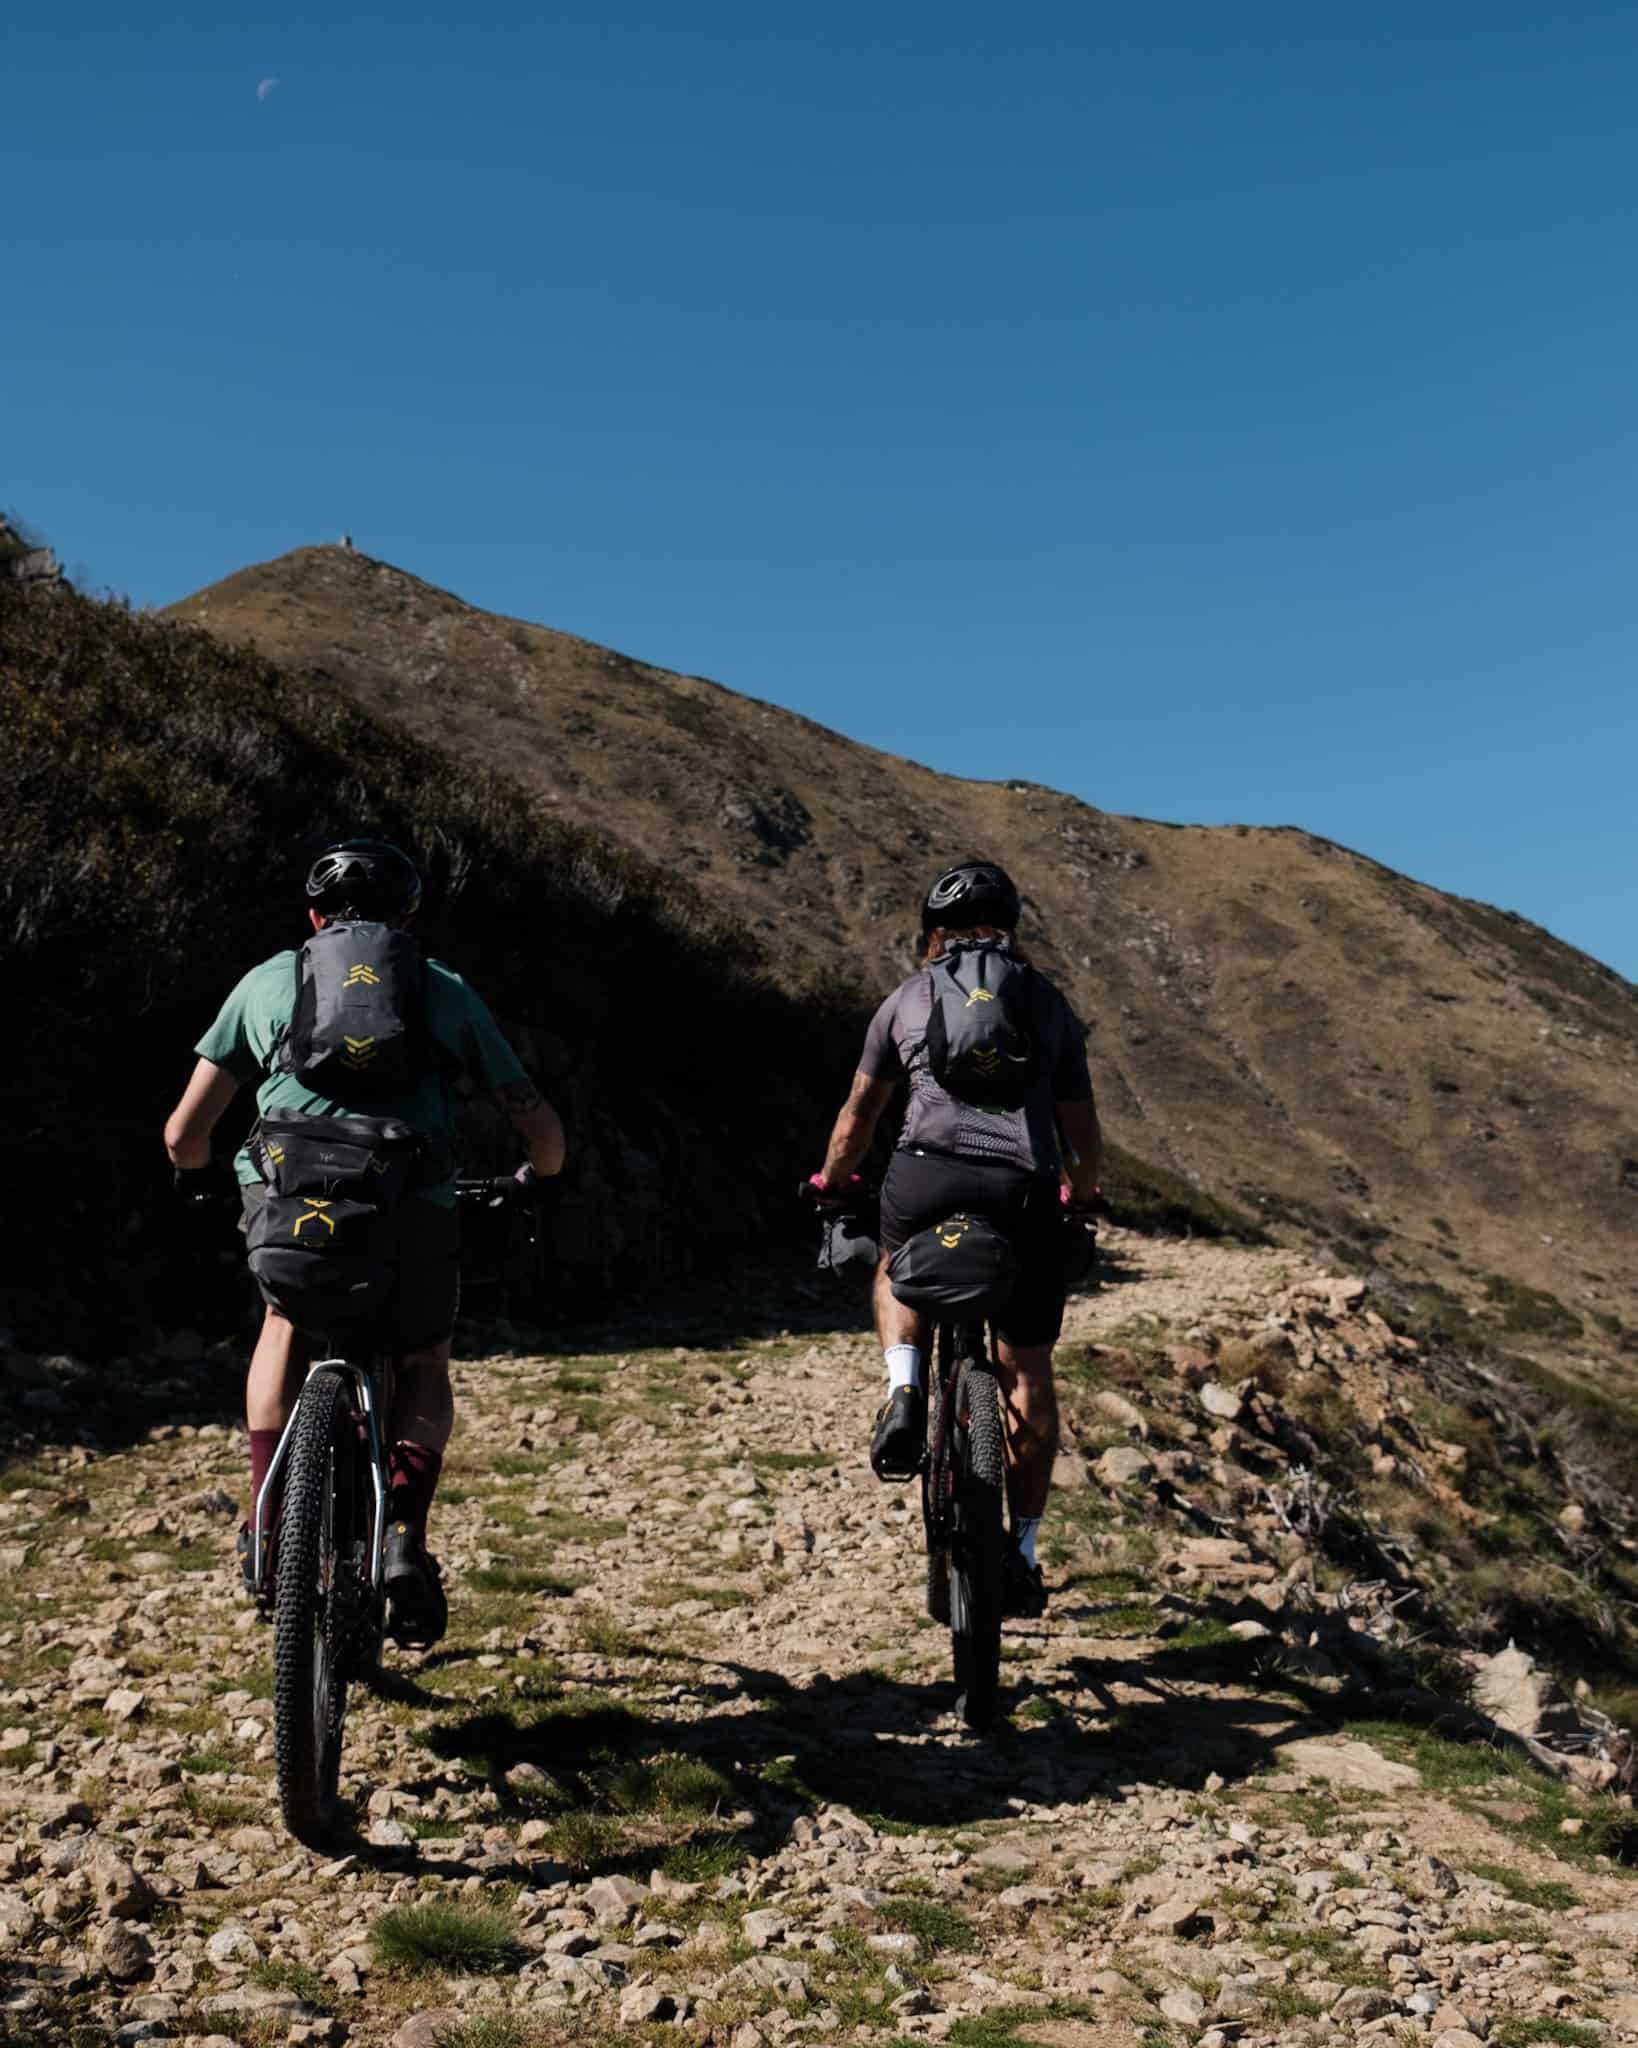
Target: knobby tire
x=310 y=1646
x=978 y=1554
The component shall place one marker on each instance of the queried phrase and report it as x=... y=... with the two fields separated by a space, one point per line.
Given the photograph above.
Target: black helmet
x=363 y=878
x=976 y=892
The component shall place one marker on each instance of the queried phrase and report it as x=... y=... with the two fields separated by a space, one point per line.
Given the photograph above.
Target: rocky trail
x=686 y=1763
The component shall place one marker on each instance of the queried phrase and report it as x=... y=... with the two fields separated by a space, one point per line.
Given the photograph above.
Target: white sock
x=1026 y=1529
x=903 y=1366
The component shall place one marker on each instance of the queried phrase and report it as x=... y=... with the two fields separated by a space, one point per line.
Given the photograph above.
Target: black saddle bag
x=962 y=1266
x=322 y=1243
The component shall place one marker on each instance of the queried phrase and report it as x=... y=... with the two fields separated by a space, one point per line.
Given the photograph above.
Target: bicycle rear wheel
x=978 y=1551
x=312 y=1615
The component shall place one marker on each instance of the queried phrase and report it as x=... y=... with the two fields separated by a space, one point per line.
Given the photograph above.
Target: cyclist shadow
x=888 y=1748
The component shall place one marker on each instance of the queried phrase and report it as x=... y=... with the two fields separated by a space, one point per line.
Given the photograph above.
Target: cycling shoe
x=1023 y=1591
x=417 y=1607
x=900 y=1432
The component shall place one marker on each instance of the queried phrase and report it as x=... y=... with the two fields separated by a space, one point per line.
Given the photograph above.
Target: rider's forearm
x=537 y=1124
x=849 y=1142
x=1082 y=1138
x=187 y=1130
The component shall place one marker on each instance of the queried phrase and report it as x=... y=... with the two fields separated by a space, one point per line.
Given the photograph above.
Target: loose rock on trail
x=686 y=1763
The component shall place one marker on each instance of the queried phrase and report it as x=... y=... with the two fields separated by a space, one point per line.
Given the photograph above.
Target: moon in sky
x=267 y=87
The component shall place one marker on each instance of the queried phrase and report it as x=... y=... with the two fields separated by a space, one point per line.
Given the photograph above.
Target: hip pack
x=322 y=1242
x=358 y=1026
x=983 y=1040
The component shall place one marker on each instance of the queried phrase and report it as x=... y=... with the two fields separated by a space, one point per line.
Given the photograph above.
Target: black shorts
x=922 y=1188
x=426 y=1285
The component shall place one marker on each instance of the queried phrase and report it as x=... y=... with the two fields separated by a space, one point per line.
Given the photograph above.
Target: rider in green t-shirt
x=368 y=879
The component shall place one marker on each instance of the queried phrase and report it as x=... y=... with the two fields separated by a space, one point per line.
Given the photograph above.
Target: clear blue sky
x=1225 y=412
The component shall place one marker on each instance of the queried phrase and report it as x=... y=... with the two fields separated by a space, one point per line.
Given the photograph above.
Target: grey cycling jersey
x=896 y=1044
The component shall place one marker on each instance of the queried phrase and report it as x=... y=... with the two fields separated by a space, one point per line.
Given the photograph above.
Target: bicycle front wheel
x=310 y=1612
x=978 y=1549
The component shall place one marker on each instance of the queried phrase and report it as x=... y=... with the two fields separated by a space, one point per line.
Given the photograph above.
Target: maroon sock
x=263 y=1443
x=413 y=1471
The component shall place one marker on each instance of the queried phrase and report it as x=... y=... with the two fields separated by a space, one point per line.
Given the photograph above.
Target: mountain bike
x=963 y=1494
x=319 y=1562
x=962 y=1467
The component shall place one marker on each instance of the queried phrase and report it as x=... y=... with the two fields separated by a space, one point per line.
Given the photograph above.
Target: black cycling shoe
x=417 y=1609
x=900 y=1433
x=1023 y=1591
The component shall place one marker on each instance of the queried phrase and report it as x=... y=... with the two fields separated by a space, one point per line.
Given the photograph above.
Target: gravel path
x=686 y=1762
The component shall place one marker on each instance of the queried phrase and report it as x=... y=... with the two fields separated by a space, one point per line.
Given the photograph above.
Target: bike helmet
x=367 y=878
x=975 y=892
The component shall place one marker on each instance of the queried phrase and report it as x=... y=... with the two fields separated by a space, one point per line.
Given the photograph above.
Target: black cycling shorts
x=922 y=1188
x=426 y=1282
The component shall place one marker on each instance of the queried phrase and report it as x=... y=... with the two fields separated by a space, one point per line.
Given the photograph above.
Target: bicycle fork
x=364 y=1398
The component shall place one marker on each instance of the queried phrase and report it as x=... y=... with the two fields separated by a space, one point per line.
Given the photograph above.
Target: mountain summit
x=1425 y=1083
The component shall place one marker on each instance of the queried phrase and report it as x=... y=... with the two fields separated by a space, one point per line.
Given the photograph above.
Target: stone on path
x=611 y=1901
x=429 y=2029
x=1349 y=1763
x=1123 y=1465
x=124 y=1953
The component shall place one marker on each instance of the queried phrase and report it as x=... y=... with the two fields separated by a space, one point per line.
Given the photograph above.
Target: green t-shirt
x=247 y=1034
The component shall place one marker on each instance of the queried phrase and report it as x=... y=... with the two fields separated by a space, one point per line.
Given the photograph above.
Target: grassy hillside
x=160 y=798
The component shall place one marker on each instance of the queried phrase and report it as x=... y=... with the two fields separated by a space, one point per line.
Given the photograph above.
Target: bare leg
x=278 y=1366
x=896 y=1324
x=1029 y=1415
x=423 y=1404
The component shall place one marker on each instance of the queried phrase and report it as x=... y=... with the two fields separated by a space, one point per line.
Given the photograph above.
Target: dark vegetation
x=160 y=797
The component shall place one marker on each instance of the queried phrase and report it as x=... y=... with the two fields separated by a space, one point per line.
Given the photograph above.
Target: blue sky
x=1222 y=412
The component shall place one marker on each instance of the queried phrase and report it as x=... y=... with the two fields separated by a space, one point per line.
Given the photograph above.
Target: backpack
x=322 y=1241
x=983 y=1036
x=358 y=1025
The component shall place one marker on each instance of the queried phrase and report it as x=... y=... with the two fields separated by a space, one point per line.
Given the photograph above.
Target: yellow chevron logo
x=276 y=1154
x=951 y=1234
x=986 y=1059
x=359 y=1053
x=315 y=1214
x=360 y=973
x=979 y=995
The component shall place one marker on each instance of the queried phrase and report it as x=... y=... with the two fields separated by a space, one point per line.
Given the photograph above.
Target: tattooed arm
x=855 y=1127
x=537 y=1123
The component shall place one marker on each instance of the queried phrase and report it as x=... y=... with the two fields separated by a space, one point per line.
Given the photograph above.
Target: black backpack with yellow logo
x=983 y=1035
x=358 y=1028
x=323 y=1238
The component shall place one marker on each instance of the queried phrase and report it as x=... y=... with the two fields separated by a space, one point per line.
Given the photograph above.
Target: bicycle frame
x=367 y=1399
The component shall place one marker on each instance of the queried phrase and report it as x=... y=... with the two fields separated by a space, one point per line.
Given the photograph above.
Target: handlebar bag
x=322 y=1243
x=963 y=1265
x=848 y=1248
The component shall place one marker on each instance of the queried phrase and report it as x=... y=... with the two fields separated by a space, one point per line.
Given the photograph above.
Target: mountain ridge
x=1417 y=1080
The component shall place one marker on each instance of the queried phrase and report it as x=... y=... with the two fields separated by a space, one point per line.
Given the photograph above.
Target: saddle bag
x=962 y=1266
x=322 y=1243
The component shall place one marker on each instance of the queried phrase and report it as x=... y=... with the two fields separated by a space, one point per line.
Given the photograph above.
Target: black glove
x=196 y=1186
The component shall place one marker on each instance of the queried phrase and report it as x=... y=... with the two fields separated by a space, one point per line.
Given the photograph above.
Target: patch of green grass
x=492 y=2030
x=1126 y=1620
x=1530 y=1311
x=1286 y=2002
x=669 y=1785
x=1545 y=1892
x=276 y=1973
x=222 y=1809
x=1012 y=2026
x=1521 y=2033
x=511 y=1578
x=1479 y=1933
x=468 y=1940
x=938 y=1928
x=793 y=1461
x=704 y=1857
x=202 y=1763
x=672 y=1593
